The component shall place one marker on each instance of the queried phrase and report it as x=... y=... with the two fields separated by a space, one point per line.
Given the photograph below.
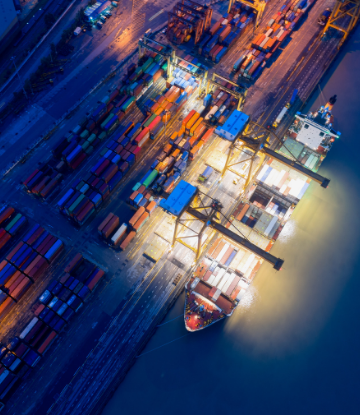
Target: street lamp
x=17 y=73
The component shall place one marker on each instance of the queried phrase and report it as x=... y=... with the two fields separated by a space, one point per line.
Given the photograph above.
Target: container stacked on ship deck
x=252 y=61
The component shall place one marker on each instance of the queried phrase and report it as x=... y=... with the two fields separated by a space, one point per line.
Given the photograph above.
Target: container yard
x=155 y=183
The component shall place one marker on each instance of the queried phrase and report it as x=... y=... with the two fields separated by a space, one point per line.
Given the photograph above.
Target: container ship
x=224 y=274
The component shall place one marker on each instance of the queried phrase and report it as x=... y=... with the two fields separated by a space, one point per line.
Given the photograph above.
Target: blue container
x=138 y=199
x=74 y=153
x=31 y=232
x=53 y=250
x=34 y=180
x=18 y=225
x=97 y=165
x=131 y=159
x=28 y=261
x=100 y=110
x=40 y=240
x=115 y=180
x=63 y=200
x=125 y=141
x=116 y=159
x=156 y=162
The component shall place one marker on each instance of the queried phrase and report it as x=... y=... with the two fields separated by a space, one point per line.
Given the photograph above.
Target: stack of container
x=11 y=223
x=225 y=32
x=108 y=225
x=56 y=307
x=25 y=264
x=43 y=181
x=252 y=61
x=73 y=149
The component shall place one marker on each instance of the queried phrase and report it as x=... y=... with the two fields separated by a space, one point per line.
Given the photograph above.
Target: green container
x=92 y=138
x=102 y=135
x=107 y=120
x=150 y=67
x=158 y=58
x=150 y=120
x=76 y=203
x=127 y=104
x=147 y=64
x=89 y=150
x=85 y=134
x=85 y=145
x=12 y=223
x=80 y=185
x=152 y=176
x=138 y=71
x=164 y=67
x=104 y=151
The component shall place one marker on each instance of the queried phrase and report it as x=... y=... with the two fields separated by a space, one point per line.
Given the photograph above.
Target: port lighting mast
x=344 y=17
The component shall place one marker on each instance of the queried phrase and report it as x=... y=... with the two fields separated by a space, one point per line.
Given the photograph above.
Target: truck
x=324 y=17
x=285 y=109
x=77 y=31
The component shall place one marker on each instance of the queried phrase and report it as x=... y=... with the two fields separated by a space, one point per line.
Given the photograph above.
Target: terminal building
x=8 y=18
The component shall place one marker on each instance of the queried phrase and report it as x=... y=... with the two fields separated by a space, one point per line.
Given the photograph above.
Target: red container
x=35 y=236
x=14 y=281
x=119 y=149
x=6 y=306
x=137 y=215
x=26 y=181
x=50 y=239
x=32 y=265
x=46 y=343
x=38 y=270
x=136 y=150
x=21 y=289
x=110 y=172
x=13 y=252
x=80 y=158
x=96 y=279
x=39 y=309
x=124 y=166
x=151 y=207
x=74 y=263
x=113 y=95
x=102 y=167
x=84 y=211
x=127 y=240
x=142 y=137
x=110 y=226
x=4 y=239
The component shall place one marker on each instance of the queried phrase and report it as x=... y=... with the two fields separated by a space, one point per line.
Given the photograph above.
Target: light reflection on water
x=292 y=346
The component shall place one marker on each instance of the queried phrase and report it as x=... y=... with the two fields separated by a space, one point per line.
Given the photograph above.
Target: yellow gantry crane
x=258 y=5
x=344 y=17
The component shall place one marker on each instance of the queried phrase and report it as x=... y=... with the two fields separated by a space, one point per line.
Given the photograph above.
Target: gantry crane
x=207 y=211
x=240 y=96
x=257 y=5
x=255 y=137
x=344 y=17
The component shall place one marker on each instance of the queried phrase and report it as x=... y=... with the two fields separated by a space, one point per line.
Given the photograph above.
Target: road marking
x=156 y=15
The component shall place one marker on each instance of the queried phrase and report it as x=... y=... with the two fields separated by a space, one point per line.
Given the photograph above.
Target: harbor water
x=293 y=345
